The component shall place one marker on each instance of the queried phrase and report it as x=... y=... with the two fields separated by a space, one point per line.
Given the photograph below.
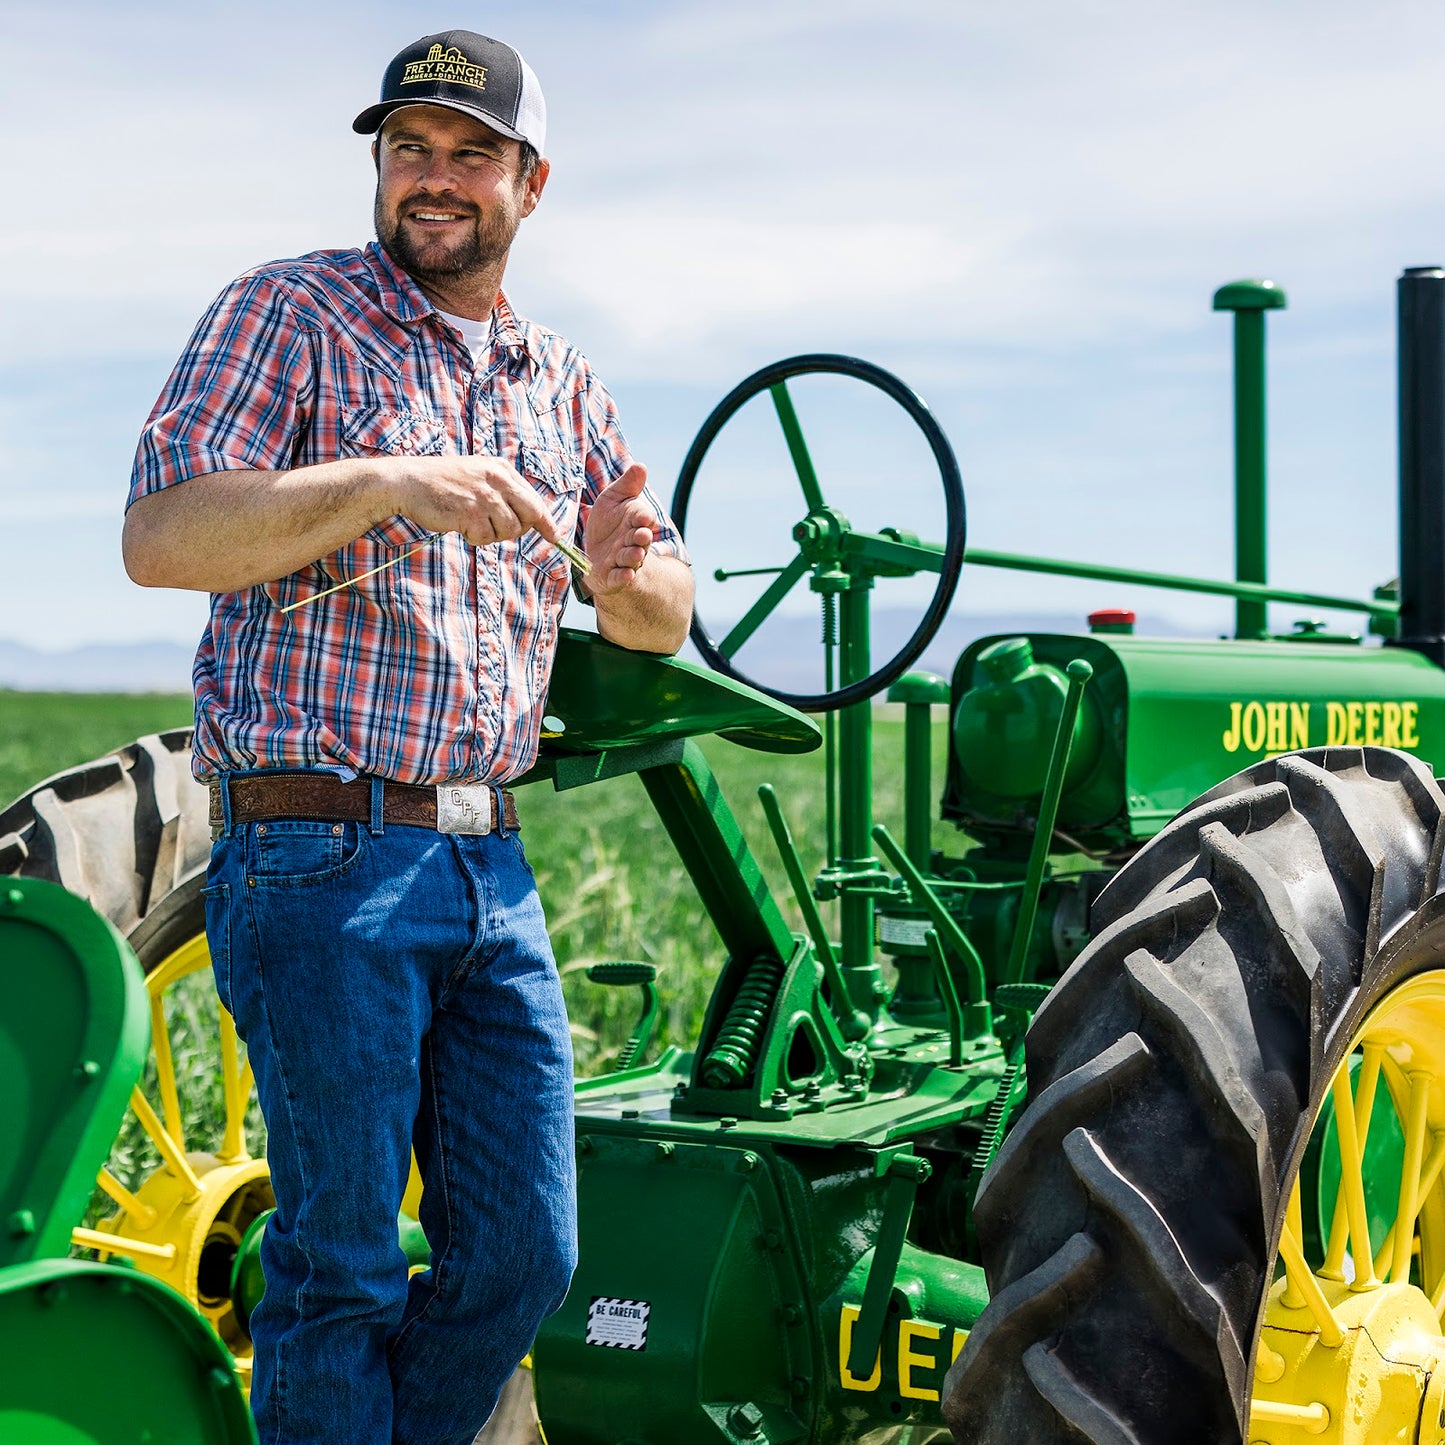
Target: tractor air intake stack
x=1422 y=461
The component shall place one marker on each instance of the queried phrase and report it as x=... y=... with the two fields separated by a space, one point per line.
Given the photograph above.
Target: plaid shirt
x=436 y=669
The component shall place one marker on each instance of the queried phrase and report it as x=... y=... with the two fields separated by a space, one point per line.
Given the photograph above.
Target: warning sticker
x=912 y=932
x=620 y=1324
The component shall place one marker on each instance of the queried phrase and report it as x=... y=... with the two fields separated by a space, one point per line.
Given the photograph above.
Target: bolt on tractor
x=1121 y=1118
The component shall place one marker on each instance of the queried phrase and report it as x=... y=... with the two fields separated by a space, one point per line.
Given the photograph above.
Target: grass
x=607 y=874
x=43 y=732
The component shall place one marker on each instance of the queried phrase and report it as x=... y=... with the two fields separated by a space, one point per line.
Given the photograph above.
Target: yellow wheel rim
x=181 y=1214
x=1351 y=1344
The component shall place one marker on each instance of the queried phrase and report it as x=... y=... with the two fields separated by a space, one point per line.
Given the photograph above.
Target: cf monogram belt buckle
x=464 y=808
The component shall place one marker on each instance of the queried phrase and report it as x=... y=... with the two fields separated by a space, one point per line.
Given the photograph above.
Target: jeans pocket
x=296 y=853
x=218 y=937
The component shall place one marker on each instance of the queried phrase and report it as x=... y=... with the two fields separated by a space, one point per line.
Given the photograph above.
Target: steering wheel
x=837 y=556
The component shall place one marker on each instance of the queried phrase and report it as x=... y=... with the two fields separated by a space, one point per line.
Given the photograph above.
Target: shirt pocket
x=371 y=431
x=556 y=476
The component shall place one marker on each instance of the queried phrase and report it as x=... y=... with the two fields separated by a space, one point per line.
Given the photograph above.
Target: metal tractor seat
x=95 y=1354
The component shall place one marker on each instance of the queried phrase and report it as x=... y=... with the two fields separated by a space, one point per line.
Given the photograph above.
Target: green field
x=608 y=877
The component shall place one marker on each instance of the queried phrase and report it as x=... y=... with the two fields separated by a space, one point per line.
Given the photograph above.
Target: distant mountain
x=99 y=667
x=785 y=653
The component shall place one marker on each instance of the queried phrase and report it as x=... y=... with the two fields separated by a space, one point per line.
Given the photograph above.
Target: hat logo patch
x=448 y=65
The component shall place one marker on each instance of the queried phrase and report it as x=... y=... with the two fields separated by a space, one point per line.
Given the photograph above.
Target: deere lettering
x=449 y=65
x=1276 y=727
x=923 y=1356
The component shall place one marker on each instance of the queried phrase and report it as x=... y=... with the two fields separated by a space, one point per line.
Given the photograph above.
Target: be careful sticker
x=619 y=1324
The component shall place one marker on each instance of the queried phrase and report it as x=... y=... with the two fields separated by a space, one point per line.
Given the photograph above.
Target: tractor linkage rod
x=977 y=1012
x=924 y=556
x=853 y=1022
x=1079 y=674
x=1253 y=591
x=904 y=1173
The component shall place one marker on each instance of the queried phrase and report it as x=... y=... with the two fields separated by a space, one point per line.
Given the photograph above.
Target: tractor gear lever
x=643 y=975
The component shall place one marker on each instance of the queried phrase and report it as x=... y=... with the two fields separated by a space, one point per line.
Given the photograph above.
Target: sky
x=1021 y=210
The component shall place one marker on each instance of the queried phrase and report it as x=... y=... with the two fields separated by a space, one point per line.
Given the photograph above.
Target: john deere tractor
x=1119 y=1118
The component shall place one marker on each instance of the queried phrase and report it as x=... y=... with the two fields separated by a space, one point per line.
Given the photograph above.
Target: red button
x=1111 y=617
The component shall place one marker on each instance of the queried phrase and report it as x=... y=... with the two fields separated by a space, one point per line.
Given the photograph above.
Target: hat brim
x=374 y=116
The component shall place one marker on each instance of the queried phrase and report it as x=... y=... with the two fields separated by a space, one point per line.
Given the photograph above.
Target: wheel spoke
x=1269 y=1365
x=1398 y=1085
x=143 y=1214
x=797 y=447
x=753 y=618
x=166 y=1070
x=1291 y=1297
x=1429 y=1176
x=1334 y=1265
x=169 y=1151
x=118 y=1244
x=1313 y=1418
x=1307 y=1289
x=1352 y=1181
x=1409 y=1206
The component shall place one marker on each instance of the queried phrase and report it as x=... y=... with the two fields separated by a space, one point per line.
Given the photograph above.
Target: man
x=369 y=458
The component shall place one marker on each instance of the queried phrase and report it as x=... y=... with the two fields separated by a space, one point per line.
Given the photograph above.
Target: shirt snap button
x=336 y=827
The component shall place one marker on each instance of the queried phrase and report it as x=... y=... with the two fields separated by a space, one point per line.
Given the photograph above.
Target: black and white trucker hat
x=468 y=72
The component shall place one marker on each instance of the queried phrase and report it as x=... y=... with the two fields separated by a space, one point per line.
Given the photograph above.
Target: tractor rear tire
x=131 y=834
x=128 y=833
x=1130 y=1225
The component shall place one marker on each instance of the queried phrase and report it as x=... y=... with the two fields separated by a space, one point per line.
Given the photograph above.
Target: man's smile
x=436 y=218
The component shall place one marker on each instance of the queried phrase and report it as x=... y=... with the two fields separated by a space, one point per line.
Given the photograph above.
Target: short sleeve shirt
x=436 y=669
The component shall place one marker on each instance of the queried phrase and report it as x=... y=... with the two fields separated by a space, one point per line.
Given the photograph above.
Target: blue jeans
x=397 y=992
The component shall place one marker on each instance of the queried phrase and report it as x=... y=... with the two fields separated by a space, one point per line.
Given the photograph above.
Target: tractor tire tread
x=1128 y=1224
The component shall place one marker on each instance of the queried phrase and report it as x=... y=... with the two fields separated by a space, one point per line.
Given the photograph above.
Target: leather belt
x=326 y=798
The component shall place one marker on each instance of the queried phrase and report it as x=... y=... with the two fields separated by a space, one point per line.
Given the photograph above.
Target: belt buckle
x=464 y=808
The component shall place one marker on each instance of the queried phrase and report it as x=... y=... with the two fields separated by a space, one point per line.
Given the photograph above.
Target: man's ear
x=534 y=185
x=376 y=152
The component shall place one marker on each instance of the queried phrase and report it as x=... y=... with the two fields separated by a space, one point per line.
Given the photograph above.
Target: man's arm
x=653 y=613
x=226 y=530
x=643 y=598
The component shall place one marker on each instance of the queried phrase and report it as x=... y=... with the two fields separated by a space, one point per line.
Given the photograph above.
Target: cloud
x=1023 y=209
x=1042 y=174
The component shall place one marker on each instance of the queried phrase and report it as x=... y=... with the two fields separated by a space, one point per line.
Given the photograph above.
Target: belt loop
x=225 y=786
x=501 y=821
x=378 y=787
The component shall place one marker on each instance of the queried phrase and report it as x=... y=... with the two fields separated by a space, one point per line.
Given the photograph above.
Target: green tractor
x=1114 y=1121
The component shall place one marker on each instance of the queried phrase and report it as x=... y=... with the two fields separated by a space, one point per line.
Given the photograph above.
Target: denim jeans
x=397 y=992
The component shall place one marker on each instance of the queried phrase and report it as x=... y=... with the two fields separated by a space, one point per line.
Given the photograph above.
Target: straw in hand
x=574 y=555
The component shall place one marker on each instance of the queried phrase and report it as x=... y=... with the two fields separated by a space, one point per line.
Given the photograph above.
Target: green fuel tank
x=1164 y=720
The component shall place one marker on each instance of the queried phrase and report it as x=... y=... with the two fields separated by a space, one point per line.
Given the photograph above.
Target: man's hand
x=643 y=598
x=619 y=533
x=484 y=498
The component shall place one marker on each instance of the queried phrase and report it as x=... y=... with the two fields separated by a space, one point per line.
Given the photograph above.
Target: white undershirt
x=477 y=334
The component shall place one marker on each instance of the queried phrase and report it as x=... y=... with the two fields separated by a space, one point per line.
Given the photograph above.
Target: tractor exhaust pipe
x=1421 y=291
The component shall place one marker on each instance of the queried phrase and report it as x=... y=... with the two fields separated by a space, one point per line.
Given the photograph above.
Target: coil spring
x=731 y=1058
x=830 y=619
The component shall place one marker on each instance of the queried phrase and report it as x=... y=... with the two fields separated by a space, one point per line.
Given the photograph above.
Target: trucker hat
x=464 y=71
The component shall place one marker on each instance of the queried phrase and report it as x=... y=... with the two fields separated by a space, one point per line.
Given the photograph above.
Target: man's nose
x=438 y=174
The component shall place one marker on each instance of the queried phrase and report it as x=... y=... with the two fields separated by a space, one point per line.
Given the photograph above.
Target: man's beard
x=480 y=248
